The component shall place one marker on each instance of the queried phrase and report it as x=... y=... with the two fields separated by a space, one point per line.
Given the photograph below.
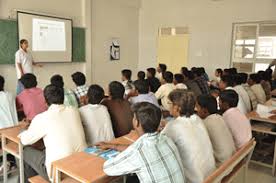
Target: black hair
x=57 y=80
x=198 y=72
x=184 y=70
x=2 y=83
x=179 y=78
x=230 y=97
x=219 y=71
x=127 y=74
x=185 y=100
x=237 y=79
x=163 y=67
x=226 y=71
x=208 y=102
x=22 y=41
x=168 y=76
x=78 y=78
x=148 y=115
x=28 y=80
x=233 y=70
x=117 y=90
x=228 y=79
x=54 y=95
x=142 y=86
x=152 y=71
x=95 y=94
x=189 y=75
x=141 y=75
x=244 y=77
x=255 y=77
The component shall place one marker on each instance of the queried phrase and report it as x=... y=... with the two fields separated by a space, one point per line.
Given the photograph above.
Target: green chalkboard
x=9 y=42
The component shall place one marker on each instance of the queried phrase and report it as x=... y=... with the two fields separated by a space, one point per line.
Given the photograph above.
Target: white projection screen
x=50 y=38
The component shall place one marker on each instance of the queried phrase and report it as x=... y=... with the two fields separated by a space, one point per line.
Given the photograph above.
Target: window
x=254 y=46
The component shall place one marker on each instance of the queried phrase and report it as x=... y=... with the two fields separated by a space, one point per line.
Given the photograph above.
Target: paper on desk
x=264 y=111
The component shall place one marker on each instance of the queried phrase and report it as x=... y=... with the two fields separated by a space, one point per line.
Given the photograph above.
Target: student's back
x=194 y=145
x=32 y=102
x=121 y=115
x=97 y=123
x=8 y=115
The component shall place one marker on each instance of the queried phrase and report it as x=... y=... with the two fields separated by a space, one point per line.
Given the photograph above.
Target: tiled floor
x=256 y=174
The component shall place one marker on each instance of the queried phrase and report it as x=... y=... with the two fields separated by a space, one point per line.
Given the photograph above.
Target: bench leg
x=274 y=160
x=5 y=173
x=21 y=164
x=245 y=173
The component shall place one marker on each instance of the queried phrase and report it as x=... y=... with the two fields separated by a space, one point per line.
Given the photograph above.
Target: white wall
x=67 y=8
x=114 y=19
x=209 y=22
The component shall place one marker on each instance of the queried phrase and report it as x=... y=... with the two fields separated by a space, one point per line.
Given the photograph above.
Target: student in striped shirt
x=153 y=157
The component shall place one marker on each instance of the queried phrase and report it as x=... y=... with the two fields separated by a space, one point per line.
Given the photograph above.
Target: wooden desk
x=265 y=126
x=11 y=145
x=87 y=168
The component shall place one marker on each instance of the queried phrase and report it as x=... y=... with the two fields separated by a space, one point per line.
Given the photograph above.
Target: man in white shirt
x=143 y=94
x=95 y=117
x=242 y=92
x=61 y=130
x=179 y=81
x=163 y=92
x=227 y=83
x=8 y=114
x=190 y=136
x=23 y=62
x=254 y=83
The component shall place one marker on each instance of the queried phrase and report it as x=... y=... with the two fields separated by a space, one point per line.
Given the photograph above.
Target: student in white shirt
x=254 y=83
x=126 y=81
x=61 y=130
x=161 y=69
x=95 y=117
x=143 y=94
x=8 y=114
x=220 y=135
x=190 y=136
x=242 y=92
x=179 y=81
x=164 y=90
x=23 y=63
x=227 y=83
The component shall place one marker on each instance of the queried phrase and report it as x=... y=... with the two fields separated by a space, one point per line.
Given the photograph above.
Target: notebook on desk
x=105 y=154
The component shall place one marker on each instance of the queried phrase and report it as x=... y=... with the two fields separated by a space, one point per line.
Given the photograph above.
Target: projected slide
x=48 y=35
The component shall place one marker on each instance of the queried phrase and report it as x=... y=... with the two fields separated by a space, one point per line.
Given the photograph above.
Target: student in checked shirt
x=153 y=157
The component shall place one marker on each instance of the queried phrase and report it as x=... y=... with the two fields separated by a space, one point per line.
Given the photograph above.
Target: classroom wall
x=209 y=22
x=114 y=19
x=68 y=8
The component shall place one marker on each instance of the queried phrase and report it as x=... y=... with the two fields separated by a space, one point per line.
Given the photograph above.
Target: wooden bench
x=230 y=168
x=39 y=179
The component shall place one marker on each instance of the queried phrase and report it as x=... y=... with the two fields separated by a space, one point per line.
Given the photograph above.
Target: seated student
x=61 y=130
x=190 y=136
x=154 y=82
x=204 y=74
x=141 y=75
x=254 y=83
x=218 y=74
x=220 y=135
x=265 y=82
x=119 y=109
x=161 y=69
x=165 y=89
x=227 y=83
x=153 y=157
x=241 y=91
x=81 y=90
x=95 y=117
x=142 y=89
x=69 y=96
x=191 y=84
x=252 y=96
x=126 y=80
x=236 y=121
x=8 y=114
x=31 y=100
x=201 y=81
x=179 y=81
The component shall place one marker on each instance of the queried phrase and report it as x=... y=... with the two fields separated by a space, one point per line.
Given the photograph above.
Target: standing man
x=24 y=63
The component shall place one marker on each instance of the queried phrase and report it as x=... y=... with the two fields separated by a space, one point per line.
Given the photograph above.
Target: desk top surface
x=255 y=116
x=86 y=167
x=11 y=133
